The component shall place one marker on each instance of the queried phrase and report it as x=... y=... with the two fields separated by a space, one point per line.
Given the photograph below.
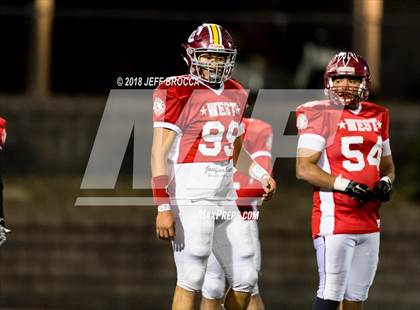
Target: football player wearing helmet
x=3 y=229
x=210 y=54
x=344 y=152
x=347 y=79
x=257 y=140
x=196 y=144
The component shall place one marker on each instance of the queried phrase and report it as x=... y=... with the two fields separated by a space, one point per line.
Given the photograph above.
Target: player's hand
x=359 y=192
x=165 y=225
x=3 y=232
x=269 y=185
x=382 y=190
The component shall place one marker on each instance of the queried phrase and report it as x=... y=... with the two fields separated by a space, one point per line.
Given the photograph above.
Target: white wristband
x=257 y=172
x=386 y=179
x=164 y=207
x=340 y=184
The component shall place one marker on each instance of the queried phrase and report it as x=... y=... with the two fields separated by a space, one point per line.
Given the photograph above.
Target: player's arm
x=3 y=229
x=1 y=191
x=2 y=222
x=162 y=141
x=265 y=162
x=387 y=168
x=260 y=147
x=311 y=143
x=383 y=189
x=245 y=164
x=308 y=170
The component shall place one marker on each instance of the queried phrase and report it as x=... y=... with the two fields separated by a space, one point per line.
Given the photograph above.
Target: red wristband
x=250 y=192
x=2 y=123
x=159 y=186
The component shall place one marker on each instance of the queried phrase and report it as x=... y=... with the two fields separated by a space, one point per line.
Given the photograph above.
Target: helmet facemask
x=347 y=95
x=212 y=72
x=353 y=67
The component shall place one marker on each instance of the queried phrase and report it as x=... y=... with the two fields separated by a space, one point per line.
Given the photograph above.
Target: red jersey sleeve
x=167 y=108
x=385 y=125
x=386 y=146
x=3 y=124
x=312 y=130
x=258 y=141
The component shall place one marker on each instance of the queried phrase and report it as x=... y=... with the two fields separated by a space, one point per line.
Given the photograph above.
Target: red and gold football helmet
x=347 y=64
x=210 y=39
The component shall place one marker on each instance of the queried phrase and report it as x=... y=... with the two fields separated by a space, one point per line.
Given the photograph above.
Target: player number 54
x=373 y=158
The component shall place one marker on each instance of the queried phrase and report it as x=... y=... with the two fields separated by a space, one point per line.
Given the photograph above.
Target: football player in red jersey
x=197 y=142
x=257 y=140
x=344 y=152
x=3 y=229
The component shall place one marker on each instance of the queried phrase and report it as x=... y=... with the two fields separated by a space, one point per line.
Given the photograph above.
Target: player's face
x=213 y=65
x=347 y=89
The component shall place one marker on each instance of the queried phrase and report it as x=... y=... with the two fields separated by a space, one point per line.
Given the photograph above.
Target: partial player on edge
x=3 y=229
x=257 y=140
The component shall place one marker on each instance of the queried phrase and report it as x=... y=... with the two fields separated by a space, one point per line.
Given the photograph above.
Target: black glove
x=382 y=190
x=359 y=192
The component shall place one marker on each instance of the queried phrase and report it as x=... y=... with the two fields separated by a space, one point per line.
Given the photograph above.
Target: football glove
x=3 y=232
x=359 y=192
x=383 y=190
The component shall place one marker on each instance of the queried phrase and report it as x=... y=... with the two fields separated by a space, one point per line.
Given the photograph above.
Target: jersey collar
x=356 y=111
x=217 y=91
